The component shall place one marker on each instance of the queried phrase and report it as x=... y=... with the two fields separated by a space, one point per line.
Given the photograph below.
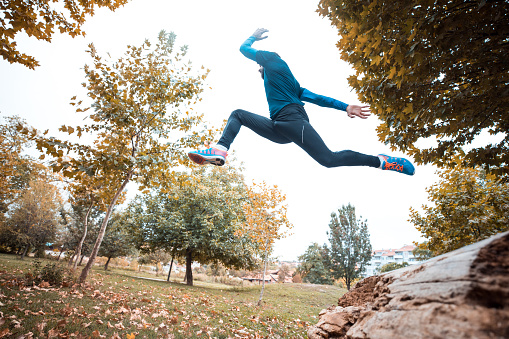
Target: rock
x=461 y=294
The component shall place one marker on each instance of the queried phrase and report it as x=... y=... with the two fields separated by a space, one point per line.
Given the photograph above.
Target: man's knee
x=326 y=159
x=237 y=114
x=327 y=162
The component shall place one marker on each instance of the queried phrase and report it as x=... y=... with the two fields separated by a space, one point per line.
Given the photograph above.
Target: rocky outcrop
x=461 y=294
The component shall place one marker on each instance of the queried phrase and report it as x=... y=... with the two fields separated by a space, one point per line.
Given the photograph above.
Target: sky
x=214 y=31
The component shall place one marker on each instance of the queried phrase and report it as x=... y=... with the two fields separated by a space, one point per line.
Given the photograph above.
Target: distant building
x=382 y=257
x=271 y=277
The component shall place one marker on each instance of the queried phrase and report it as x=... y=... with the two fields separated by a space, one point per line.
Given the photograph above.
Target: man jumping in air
x=288 y=120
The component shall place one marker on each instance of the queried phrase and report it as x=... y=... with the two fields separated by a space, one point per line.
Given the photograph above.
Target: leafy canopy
x=392 y=266
x=431 y=69
x=40 y=19
x=142 y=119
x=34 y=217
x=468 y=205
x=16 y=168
x=313 y=267
x=265 y=214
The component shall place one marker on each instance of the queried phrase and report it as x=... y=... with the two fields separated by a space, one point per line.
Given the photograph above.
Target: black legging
x=292 y=125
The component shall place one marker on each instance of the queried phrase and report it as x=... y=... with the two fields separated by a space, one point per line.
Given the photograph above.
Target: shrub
x=54 y=273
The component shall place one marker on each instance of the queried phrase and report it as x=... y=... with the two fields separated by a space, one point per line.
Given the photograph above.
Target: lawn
x=115 y=304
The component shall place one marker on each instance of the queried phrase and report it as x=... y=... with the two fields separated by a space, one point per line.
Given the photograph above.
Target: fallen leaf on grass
x=161 y=327
x=40 y=326
x=97 y=334
x=131 y=336
x=53 y=333
x=120 y=326
x=5 y=332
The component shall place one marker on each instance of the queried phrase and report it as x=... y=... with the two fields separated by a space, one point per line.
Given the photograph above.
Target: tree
x=266 y=220
x=16 y=169
x=74 y=232
x=469 y=205
x=157 y=257
x=313 y=267
x=138 y=136
x=198 y=218
x=431 y=69
x=89 y=196
x=33 y=220
x=392 y=266
x=284 y=272
x=39 y=19
x=350 y=247
x=421 y=253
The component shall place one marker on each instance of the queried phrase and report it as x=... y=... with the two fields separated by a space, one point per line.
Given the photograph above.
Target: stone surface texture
x=461 y=294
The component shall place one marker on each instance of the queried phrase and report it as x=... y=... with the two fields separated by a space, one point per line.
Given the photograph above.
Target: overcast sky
x=214 y=31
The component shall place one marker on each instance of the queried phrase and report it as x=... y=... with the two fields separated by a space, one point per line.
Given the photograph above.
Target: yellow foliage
x=265 y=213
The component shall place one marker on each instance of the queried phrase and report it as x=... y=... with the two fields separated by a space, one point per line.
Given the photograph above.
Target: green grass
x=114 y=304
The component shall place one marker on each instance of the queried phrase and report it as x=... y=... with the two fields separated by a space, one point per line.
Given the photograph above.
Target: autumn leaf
x=5 y=332
x=40 y=326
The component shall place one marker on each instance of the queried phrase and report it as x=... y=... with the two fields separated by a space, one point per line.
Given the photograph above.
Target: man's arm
x=323 y=101
x=246 y=49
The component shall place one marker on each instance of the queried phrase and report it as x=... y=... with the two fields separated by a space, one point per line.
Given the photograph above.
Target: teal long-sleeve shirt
x=281 y=87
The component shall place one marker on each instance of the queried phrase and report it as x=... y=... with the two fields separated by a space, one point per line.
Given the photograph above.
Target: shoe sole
x=203 y=160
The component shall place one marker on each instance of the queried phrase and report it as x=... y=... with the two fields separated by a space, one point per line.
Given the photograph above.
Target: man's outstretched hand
x=259 y=32
x=362 y=112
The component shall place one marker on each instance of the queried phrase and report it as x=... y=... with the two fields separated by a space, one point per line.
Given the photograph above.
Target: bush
x=52 y=273
x=392 y=266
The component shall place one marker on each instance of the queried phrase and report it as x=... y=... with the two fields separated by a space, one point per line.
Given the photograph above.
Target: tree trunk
x=107 y=263
x=460 y=294
x=264 y=271
x=102 y=230
x=25 y=252
x=189 y=270
x=61 y=251
x=169 y=272
x=82 y=240
x=71 y=260
x=81 y=259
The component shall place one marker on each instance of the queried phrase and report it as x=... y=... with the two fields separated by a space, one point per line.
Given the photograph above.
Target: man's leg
x=260 y=125
x=304 y=135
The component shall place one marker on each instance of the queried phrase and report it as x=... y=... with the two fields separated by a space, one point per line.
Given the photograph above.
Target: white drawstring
x=303 y=134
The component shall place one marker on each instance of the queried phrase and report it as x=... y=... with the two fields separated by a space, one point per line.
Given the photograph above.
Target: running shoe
x=400 y=165
x=209 y=156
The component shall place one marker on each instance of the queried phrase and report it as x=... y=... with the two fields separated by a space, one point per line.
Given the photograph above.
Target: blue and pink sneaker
x=209 y=156
x=400 y=165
